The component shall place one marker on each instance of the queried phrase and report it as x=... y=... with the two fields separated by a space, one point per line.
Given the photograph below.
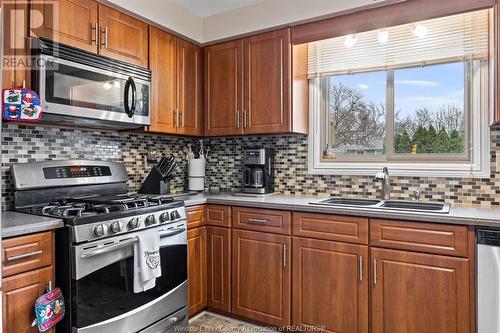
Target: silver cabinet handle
x=177 y=123
x=105 y=37
x=25 y=255
x=285 y=256
x=237 y=118
x=95 y=31
x=360 y=268
x=181 y=119
x=174 y=118
x=257 y=221
x=245 y=119
x=374 y=271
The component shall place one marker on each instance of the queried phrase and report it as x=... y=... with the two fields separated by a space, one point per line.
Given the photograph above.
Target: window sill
x=400 y=169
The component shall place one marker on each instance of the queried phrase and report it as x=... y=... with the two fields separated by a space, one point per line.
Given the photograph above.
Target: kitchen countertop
x=17 y=224
x=466 y=215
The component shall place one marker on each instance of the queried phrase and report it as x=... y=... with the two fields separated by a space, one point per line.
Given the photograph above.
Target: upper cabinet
x=93 y=27
x=123 y=37
x=267 y=83
x=256 y=85
x=176 y=105
x=75 y=23
x=224 y=88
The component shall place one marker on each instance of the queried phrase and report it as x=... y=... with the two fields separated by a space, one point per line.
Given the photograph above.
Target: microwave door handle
x=130 y=109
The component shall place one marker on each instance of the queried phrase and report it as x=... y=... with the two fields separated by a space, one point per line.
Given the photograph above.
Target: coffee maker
x=258 y=171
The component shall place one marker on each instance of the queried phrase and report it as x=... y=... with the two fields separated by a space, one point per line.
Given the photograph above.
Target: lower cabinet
x=261 y=277
x=219 y=268
x=330 y=285
x=419 y=293
x=197 y=271
x=20 y=293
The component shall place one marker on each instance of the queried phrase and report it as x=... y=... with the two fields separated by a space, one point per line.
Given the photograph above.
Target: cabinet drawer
x=331 y=227
x=422 y=237
x=218 y=215
x=25 y=253
x=276 y=221
x=195 y=216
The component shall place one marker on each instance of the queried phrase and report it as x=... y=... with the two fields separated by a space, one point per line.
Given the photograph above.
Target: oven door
x=71 y=89
x=102 y=288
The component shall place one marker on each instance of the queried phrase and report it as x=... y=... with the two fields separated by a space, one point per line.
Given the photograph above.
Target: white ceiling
x=204 y=8
x=211 y=20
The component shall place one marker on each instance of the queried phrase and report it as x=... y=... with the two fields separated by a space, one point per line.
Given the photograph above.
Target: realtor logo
x=21 y=21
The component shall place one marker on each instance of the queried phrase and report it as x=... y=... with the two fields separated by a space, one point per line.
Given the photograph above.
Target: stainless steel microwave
x=83 y=89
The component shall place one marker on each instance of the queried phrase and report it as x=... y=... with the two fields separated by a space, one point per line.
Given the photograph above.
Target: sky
x=415 y=88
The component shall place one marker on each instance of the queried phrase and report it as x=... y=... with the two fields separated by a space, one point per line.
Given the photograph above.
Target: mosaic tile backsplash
x=26 y=143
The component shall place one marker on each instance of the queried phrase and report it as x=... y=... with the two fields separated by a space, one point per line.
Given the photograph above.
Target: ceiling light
x=350 y=41
x=107 y=85
x=420 y=30
x=383 y=36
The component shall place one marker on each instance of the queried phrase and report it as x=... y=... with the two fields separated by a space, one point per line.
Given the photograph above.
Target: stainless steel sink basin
x=410 y=206
x=348 y=202
x=417 y=206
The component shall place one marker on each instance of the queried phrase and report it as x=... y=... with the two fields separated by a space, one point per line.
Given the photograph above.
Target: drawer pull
x=257 y=221
x=25 y=255
x=374 y=272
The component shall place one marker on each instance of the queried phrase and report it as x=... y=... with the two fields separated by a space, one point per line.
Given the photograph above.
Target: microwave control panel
x=76 y=171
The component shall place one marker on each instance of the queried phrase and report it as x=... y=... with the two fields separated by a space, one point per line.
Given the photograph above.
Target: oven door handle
x=126 y=242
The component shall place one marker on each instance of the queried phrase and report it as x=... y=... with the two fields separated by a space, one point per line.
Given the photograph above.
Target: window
x=418 y=104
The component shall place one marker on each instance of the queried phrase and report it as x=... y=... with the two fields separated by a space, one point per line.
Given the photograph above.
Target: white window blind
x=451 y=38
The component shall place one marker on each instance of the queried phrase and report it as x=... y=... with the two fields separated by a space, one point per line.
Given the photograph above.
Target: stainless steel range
x=95 y=250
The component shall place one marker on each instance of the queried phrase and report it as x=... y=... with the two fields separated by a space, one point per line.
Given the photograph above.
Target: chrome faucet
x=384 y=177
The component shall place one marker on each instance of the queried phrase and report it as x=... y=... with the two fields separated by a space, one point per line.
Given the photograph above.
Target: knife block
x=154 y=184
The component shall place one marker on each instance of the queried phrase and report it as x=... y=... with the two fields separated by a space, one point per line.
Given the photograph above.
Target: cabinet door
x=330 y=285
x=190 y=87
x=419 y=293
x=20 y=293
x=163 y=65
x=70 y=22
x=261 y=277
x=197 y=269
x=123 y=37
x=223 y=88
x=219 y=268
x=15 y=44
x=267 y=83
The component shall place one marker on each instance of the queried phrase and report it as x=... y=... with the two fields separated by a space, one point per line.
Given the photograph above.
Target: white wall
x=270 y=13
x=168 y=14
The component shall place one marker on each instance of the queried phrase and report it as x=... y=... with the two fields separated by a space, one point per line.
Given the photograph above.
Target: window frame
x=474 y=162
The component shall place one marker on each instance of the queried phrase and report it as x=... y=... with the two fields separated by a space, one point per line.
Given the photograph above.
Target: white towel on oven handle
x=147 y=264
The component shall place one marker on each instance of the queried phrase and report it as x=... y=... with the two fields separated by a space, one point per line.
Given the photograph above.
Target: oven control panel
x=76 y=171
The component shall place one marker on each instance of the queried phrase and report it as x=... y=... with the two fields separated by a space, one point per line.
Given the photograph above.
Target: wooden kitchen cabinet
x=219 y=268
x=223 y=88
x=261 y=277
x=197 y=269
x=16 y=46
x=330 y=285
x=267 y=83
x=190 y=88
x=419 y=293
x=176 y=105
x=75 y=22
x=20 y=293
x=123 y=37
x=256 y=85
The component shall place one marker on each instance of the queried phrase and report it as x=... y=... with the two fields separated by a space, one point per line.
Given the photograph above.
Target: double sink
x=410 y=206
